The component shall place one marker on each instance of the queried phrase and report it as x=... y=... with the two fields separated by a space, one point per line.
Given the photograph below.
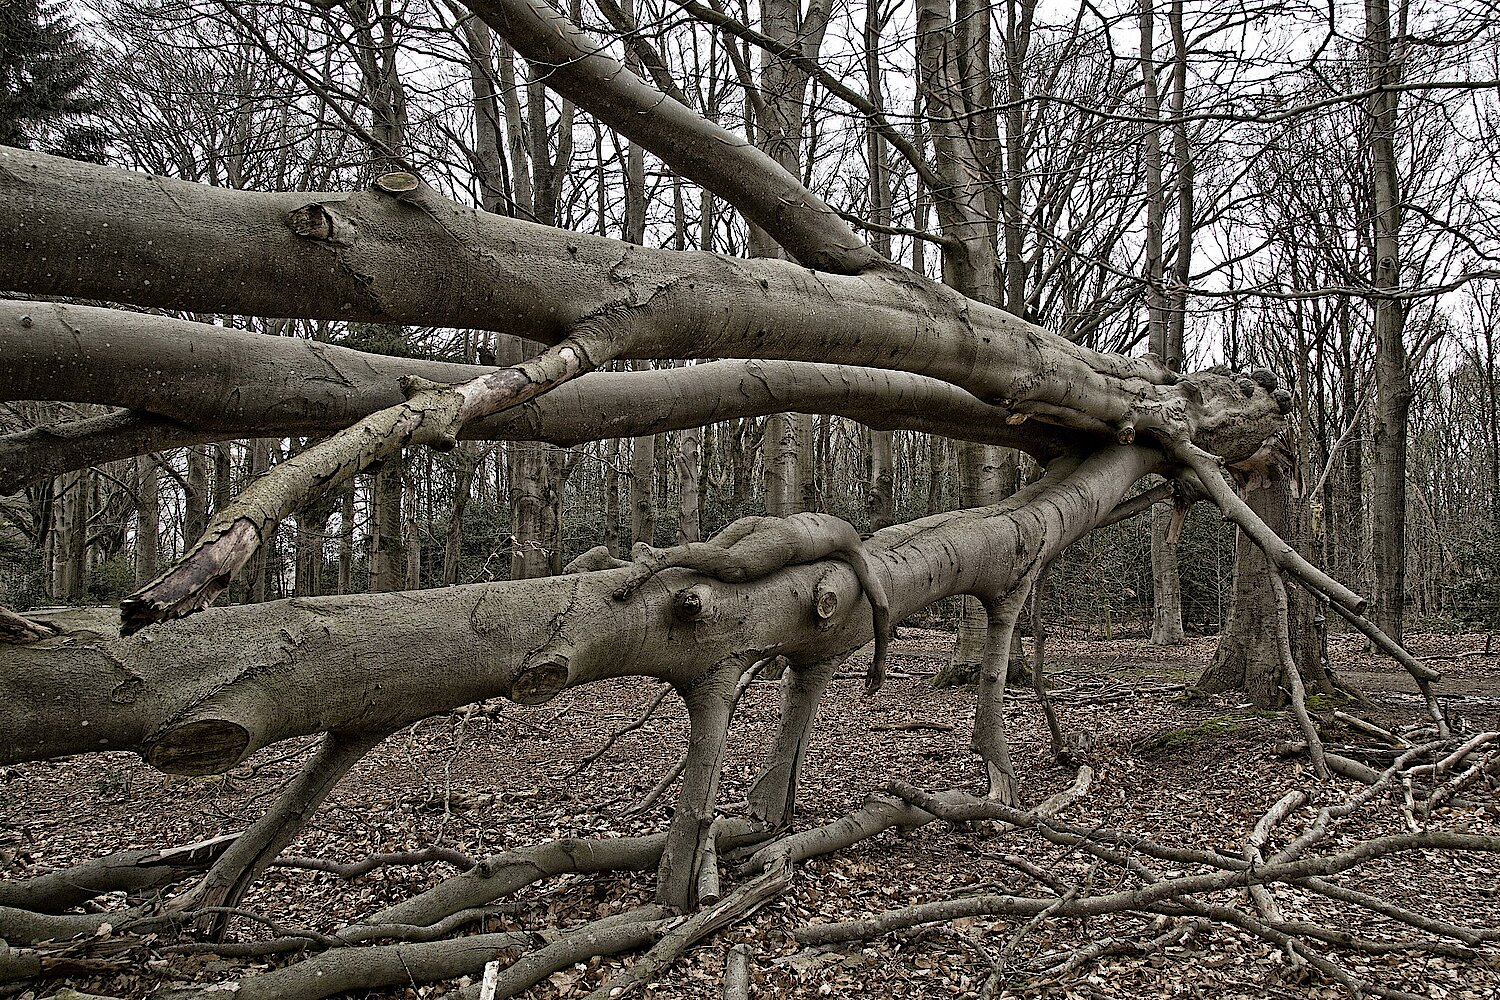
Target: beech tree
x=831 y=325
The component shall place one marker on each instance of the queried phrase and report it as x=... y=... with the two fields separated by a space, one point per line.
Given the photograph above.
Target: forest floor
x=499 y=780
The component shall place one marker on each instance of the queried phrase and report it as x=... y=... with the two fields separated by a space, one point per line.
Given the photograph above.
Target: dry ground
x=488 y=783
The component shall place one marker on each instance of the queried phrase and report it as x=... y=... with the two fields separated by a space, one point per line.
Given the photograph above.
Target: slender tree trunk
x=223 y=477
x=611 y=535
x=70 y=523
x=196 y=499
x=643 y=490
x=689 y=463
x=466 y=457
x=412 y=535
x=1165 y=332
x=786 y=456
x=147 y=520
x=881 y=505
x=346 y=542
x=258 y=572
x=386 y=548
x=1393 y=389
x=779 y=464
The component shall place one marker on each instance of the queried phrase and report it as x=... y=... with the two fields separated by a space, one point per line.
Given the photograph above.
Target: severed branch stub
x=755 y=547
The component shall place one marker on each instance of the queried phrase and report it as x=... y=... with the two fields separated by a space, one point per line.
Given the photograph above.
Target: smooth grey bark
x=643 y=490
x=375 y=662
x=1165 y=322
x=688 y=462
x=543 y=283
x=779 y=465
x=880 y=502
x=187 y=382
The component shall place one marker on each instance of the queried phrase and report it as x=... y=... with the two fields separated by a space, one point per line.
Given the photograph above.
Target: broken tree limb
x=431 y=414
x=1255 y=846
x=1293 y=675
x=1210 y=475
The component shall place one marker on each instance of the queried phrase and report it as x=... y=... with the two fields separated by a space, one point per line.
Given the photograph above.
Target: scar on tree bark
x=753 y=547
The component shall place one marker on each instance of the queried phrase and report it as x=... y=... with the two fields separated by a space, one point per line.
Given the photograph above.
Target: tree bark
x=1393 y=389
x=147 y=519
x=1245 y=660
x=376 y=662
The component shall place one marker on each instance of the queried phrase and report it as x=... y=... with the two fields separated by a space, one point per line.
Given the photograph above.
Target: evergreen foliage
x=44 y=72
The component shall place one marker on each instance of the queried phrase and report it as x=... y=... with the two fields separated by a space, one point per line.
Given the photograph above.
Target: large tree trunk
x=376 y=662
x=1245 y=660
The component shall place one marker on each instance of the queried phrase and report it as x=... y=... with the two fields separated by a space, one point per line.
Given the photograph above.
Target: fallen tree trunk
x=197 y=696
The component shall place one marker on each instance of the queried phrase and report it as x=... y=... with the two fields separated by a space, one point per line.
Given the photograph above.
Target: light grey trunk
x=147 y=519
x=70 y=522
x=881 y=504
x=689 y=463
x=779 y=462
x=386 y=548
x=1165 y=331
x=643 y=490
x=196 y=498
